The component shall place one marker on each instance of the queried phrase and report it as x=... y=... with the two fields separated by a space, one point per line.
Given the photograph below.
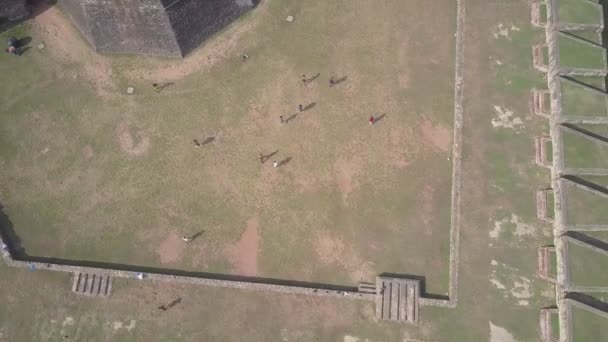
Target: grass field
x=577 y=54
x=581 y=152
x=586 y=266
x=581 y=101
x=101 y=170
x=579 y=12
x=590 y=36
x=584 y=207
x=587 y=326
x=121 y=180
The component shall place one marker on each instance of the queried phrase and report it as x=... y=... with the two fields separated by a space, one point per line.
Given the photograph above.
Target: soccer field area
x=91 y=173
x=108 y=176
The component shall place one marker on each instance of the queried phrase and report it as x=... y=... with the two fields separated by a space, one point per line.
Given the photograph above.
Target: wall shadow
x=34 y=8
x=10 y=237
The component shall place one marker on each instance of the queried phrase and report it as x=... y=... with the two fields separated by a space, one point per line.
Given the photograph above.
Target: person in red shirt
x=372 y=120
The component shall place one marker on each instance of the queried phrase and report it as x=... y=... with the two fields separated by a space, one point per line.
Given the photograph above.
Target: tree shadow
x=284 y=161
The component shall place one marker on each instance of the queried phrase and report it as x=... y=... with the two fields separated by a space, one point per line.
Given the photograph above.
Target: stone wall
x=195 y=21
x=170 y=28
x=14 y=9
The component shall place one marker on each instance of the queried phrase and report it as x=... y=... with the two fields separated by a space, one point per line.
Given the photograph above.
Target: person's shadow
x=284 y=161
x=268 y=156
x=309 y=106
x=193 y=237
x=291 y=117
x=340 y=80
x=22 y=44
x=379 y=118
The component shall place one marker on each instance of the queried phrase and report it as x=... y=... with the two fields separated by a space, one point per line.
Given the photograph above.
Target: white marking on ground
x=68 y=321
x=501 y=30
x=523 y=302
x=498 y=62
x=117 y=325
x=497 y=283
x=500 y=334
x=348 y=338
x=494 y=262
x=522 y=229
x=506 y=119
x=495 y=232
x=521 y=290
x=131 y=325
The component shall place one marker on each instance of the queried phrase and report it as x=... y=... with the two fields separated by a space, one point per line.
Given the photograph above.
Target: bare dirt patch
x=244 y=253
x=127 y=143
x=214 y=52
x=345 y=172
x=329 y=249
x=87 y=152
x=438 y=136
x=499 y=334
x=64 y=43
x=332 y=250
x=170 y=250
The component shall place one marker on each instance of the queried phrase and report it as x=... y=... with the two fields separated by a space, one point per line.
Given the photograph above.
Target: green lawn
x=584 y=207
x=591 y=36
x=551 y=205
x=581 y=152
x=555 y=325
x=576 y=54
x=597 y=82
x=586 y=266
x=580 y=101
x=588 y=326
x=579 y=12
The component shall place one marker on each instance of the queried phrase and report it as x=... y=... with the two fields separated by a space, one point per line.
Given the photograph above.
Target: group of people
x=13 y=46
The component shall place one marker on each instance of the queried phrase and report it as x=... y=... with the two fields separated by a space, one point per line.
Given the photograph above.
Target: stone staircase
x=90 y=284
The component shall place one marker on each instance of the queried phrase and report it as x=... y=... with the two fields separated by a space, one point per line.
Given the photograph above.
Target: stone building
x=170 y=28
x=11 y=10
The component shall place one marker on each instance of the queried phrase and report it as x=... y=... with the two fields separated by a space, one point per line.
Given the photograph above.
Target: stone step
x=92 y=284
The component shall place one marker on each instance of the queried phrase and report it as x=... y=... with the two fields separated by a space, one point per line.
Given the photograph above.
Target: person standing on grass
x=304 y=80
x=196 y=143
x=275 y=163
x=301 y=108
x=186 y=239
x=372 y=119
x=332 y=82
x=282 y=120
x=156 y=87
